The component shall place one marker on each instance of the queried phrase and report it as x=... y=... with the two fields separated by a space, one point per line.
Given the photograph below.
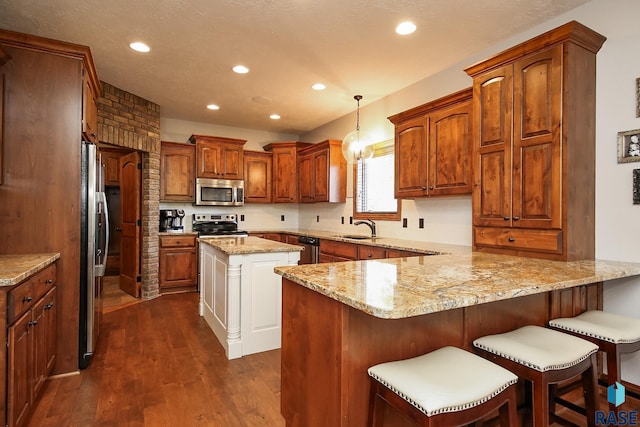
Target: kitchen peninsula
x=240 y=295
x=341 y=318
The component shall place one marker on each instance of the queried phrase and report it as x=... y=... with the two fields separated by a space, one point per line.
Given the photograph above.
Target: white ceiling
x=349 y=45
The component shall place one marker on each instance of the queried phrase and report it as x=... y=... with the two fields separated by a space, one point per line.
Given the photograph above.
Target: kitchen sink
x=355 y=237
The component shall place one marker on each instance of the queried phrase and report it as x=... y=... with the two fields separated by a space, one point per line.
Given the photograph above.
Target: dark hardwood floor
x=159 y=364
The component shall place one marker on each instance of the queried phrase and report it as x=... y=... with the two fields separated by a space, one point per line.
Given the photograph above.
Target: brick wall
x=126 y=120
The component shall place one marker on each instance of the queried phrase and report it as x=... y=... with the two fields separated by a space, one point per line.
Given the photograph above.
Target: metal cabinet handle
x=507 y=218
x=49 y=281
x=33 y=323
x=511 y=239
x=431 y=187
x=515 y=218
x=370 y=255
x=424 y=188
x=48 y=306
x=27 y=299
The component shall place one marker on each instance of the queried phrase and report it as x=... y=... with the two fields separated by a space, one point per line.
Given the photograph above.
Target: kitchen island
x=341 y=318
x=240 y=295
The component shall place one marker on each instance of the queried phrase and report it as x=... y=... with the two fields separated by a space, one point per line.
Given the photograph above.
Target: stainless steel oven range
x=217 y=225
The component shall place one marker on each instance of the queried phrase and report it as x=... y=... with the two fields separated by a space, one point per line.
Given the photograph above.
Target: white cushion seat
x=538 y=348
x=446 y=380
x=604 y=326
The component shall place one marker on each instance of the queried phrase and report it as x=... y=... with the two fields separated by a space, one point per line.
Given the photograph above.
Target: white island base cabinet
x=241 y=298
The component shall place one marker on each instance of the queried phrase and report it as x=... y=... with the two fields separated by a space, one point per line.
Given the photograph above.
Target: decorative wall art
x=636 y=186
x=629 y=146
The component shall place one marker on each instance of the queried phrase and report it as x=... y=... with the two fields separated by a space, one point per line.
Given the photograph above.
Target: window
x=373 y=185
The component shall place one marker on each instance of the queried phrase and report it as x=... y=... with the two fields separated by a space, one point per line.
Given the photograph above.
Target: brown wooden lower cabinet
x=336 y=251
x=31 y=332
x=178 y=263
x=277 y=237
x=328 y=347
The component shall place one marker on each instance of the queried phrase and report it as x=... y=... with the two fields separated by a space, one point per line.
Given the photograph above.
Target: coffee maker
x=171 y=220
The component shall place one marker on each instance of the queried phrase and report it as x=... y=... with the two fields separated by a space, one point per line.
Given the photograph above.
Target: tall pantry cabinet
x=534 y=146
x=43 y=121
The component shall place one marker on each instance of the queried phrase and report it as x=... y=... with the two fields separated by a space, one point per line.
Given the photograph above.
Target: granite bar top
x=177 y=233
x=15 y=268
x=405 y=287
x=247 y=245
x=428 y=248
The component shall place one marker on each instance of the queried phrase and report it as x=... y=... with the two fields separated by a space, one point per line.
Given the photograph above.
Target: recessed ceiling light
x=405 y=28
x=318 y=86
x=240 y=69
x=213 y=107
x=274 y=117
x=139 y=47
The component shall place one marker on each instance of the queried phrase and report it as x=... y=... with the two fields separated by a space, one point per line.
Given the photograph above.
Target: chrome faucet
x=369 y=223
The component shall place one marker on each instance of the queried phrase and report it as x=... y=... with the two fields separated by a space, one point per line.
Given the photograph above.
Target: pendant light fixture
x=354 y=146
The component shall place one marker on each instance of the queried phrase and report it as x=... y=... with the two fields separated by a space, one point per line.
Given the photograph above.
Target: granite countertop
x=405 y=287
x=428 y=248
x=15 y=268
x=176 y=233
x=247 y=245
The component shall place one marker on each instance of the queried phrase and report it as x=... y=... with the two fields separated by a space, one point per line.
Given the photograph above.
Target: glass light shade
x=355 y=148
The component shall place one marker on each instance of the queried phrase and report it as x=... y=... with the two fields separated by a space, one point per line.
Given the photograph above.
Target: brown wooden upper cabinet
x=89 y=108
x=111 y=162
x=218 y=157
x=322 y=173
x=177 y=172
x=258 y=172
x=534 y=146
x=433 y=147
x=285 y=170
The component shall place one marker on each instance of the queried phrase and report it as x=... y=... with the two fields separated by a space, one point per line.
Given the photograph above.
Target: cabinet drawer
x=371 y=252
x=24 y=296
x=177 y=241
x=343 y=250
x=528 y=240
x=44 y=281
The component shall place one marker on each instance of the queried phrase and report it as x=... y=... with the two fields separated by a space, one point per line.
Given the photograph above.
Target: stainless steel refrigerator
x=94 y=237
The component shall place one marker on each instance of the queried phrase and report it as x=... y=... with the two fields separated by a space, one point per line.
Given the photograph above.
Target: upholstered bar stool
x=613 y=333
x=545 y=357
x=447 y=387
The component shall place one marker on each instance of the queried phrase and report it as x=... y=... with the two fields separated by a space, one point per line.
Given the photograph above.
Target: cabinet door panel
x=232 y=162
x=51 y=327
x=177 y=175
x=492 y=95
x=410 y=158
x=321 y=176
x=537 y=158
x=208 y=156
x=39 y=330
x=285 y=177
x=20 y=342
x=306 y=178
x=257 y=177
x=492 y=153
x=178 y=267
x=450 y=151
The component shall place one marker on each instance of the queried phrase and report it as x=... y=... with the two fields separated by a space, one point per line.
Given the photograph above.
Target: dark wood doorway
x=131 y=224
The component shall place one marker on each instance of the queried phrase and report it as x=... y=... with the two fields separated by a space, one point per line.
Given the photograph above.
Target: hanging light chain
x=358 y=98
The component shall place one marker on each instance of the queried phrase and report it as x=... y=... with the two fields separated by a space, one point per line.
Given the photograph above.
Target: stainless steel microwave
x=219 y=192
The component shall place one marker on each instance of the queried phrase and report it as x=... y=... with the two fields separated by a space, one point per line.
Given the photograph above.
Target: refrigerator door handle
x=106 y=228
x=103 y=239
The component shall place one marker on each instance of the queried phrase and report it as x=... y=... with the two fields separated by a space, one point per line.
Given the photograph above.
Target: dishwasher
x=311 y=251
